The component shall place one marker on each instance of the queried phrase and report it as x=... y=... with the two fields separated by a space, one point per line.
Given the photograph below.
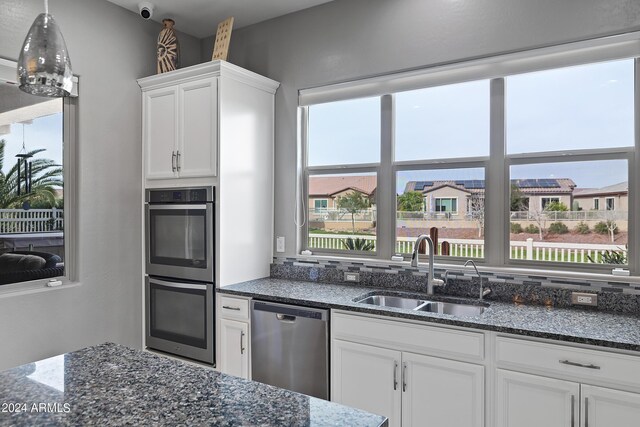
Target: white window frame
x=498 y=163
x=320 y=200
x=69 y=173
x=452 y=212
x=542 y=199
x=596 y=203
x=606 y=203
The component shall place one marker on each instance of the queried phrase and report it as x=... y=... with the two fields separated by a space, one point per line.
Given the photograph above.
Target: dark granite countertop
x=599 y=328
x=110 y=385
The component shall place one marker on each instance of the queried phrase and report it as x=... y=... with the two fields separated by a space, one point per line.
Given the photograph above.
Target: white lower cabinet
x=604 y=407
x=409 y=389
x=535 y=399
x=367 y=378
x=441 y=392
x=234 y=352
x=234 y=321
x=524 y=400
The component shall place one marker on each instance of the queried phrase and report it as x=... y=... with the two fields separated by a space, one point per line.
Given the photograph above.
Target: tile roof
x=619 y=188
x=330 y=185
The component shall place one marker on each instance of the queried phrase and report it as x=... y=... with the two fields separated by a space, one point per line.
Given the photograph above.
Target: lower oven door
x=180 y=318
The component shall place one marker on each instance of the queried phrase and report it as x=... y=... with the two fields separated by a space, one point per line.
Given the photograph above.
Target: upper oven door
x=179 y=241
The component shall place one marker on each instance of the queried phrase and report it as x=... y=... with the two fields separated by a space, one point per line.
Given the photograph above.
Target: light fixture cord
x=46 y=6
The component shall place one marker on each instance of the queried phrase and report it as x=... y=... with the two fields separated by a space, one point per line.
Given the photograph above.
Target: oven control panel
x=180 y=195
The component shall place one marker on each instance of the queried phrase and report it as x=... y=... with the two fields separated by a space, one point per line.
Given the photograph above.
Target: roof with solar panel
x=527 y=186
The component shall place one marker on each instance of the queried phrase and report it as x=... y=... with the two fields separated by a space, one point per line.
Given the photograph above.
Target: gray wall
x=349 y=39
x=110 y=48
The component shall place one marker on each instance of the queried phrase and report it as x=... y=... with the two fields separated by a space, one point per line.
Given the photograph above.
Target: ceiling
x=200 y=18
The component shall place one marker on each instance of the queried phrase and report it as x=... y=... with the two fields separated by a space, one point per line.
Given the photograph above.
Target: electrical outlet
x=280 y=244
x=350 y=276
x=581 y=298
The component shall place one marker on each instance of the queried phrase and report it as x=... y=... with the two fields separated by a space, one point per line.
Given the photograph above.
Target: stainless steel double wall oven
x=180 y=268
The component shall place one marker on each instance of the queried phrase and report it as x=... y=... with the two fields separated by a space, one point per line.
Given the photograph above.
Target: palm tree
x=46 y=176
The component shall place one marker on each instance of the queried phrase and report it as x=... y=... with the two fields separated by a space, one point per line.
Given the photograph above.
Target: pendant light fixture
x=44 y=67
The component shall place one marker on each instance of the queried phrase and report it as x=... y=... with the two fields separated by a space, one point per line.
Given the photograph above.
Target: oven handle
x=176 y=207
x=177 y=285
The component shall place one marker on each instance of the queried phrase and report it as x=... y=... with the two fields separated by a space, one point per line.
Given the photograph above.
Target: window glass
x=554 y=215
x=582 y=107
x=344 y=132
x=345 y=217
x=31 y=187
x=443 y=122
x=449 y=203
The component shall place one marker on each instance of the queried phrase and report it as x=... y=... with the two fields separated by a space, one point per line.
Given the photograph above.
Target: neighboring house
x=611 y=198
x=325 y=190
x=455 y=197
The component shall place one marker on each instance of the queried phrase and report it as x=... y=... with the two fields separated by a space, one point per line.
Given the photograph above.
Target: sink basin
x=452 y=308
x=416 y=304
x=393 y=301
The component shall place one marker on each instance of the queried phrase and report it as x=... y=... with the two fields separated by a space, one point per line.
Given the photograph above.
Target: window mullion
x=496 y=179
x=385 y=197
x=634 y=201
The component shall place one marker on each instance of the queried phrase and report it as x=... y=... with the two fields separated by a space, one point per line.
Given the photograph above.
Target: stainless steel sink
x=454 y=309
x=416 y=304
x=393 y=301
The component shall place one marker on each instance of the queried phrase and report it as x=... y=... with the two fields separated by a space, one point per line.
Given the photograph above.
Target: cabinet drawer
x=572 y=362
x=234 y=308
x=406 y=336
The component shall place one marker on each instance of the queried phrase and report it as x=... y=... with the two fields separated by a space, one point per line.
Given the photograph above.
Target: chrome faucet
x=483 y=291
x=431 y=280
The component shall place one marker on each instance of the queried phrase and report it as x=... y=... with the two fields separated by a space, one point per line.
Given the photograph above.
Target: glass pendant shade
x=44 y=67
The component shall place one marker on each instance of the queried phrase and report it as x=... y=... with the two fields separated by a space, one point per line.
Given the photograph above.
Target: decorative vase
x=168 y=48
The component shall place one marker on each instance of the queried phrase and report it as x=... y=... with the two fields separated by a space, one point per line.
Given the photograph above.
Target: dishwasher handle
x=289 y=313
x=286 y=318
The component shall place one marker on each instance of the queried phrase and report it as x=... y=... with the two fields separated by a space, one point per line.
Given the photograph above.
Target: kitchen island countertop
x=109 y=384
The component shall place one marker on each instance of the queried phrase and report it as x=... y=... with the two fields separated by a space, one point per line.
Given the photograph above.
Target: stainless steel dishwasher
x=290 y=347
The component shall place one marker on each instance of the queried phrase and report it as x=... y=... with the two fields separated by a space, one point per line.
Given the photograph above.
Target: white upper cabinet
x=187 y=124
x=160 y=132
x=198 y=129
x=180 y=130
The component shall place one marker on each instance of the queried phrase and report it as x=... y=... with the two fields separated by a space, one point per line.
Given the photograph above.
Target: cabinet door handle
x=573 y=411
x=395 y=375
x=580 y=365
x=229 y=307
x=178 y=161
x=404 y=377
x=586 y=412
x=241 y=339
x=173 y=161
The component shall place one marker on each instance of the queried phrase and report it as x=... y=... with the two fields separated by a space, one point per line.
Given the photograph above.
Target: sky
x=44 y=132
x=581 y=107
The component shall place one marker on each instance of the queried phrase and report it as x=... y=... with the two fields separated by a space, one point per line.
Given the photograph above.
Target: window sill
x=34 y=287
x=511 y=271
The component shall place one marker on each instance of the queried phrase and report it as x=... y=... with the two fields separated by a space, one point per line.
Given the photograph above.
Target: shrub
x=358 y=244
x=556 y=206
x=582 y=228
x=531 y=229
x=611 y=257
x=516 y=228
x=558 y=228
x=603 y=227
